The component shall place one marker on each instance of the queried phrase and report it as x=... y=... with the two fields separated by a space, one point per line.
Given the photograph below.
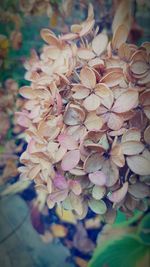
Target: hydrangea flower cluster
x=86 y=116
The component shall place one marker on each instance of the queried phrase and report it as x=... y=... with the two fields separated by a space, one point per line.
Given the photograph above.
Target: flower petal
x=70 y=160
x=93 y=163
x=147 y=135
x=87 y=27
x=115 y=121
x=98 y=206
x=85 y=53
x=119 y=195
x=98 y=192
x=75 y=187
x=60 y=182
x=106 y=95
x=81 y=93
x=126 y=101
x=120 y=36
x=87 y=77
x=133 y=134
x=74 y=115
x=99 y=43
x=139 y=190
x=58 y=196
x=27 y=92
x=132 y=147
x=92 y=102
x=49 y=37
x=98 y=178
x=67 y=141
x=113 y=78
x=139 y=164
x=93 y=122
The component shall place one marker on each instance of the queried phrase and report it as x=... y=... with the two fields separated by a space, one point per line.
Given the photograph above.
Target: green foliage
x=121 y=219
x=127 y=251
x=144 y=230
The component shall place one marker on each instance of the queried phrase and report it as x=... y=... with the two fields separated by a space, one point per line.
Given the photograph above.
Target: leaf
x=126 y=101
x=99 y=43
x=118 y=195
x=111 y=253
x=70 y=160
x=98 y=206
x=98 y=178
x=139 y=164
x=87 y=77
x=144 y=229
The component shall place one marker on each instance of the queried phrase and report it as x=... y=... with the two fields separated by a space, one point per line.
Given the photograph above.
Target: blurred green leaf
x=125 y=252
x=144 y=230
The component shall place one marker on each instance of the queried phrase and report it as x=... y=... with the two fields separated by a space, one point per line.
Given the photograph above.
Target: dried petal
x=93 y=122
x=85 y=53
x=119 y=195
x=74 y=115
x=113 y=78
x=99 y=43
x=132 y=147
x=139 y=164
x=98 y=206
x=70 y=160
x=87 y=77
x=126 y=101
x=120 y=36
x=139 y=190
x=98 y=178
x=93 y=163
x=67 y=141
x=92 y=102
x=147 y=135
x=60 y=182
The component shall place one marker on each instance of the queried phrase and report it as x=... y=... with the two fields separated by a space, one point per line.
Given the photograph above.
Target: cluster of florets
x=86 y=116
